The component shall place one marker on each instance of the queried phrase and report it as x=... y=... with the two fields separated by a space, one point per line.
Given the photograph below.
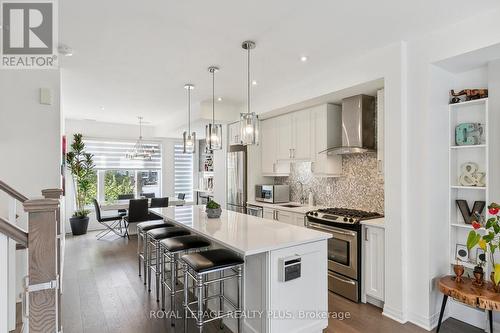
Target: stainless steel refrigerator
x=237 y=179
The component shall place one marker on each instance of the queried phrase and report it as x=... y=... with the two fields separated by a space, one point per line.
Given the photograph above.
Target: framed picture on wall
x=461 y=252
x=480 y=256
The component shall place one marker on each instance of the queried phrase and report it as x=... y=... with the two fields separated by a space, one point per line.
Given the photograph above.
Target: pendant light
x=140 y=151
x=213 y=131
x=189 y=139
x=249 y=121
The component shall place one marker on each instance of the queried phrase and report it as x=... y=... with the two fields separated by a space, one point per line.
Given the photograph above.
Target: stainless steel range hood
x=358 y=126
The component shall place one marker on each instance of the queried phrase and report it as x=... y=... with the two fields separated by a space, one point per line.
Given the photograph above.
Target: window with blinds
x=110 y=154
x=183 y=172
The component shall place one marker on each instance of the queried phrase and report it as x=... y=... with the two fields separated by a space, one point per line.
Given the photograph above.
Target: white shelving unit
x=474 y=112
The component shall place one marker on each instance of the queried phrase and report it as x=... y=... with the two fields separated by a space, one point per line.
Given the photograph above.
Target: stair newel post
x=56 y=193
x=43 y=279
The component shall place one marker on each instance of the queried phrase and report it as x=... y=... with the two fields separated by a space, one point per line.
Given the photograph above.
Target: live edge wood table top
x=466 y=292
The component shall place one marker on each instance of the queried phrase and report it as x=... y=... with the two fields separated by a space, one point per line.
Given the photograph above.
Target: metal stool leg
x=240 y=294
x=158 y=270
x=162 y=278
x=200 y=287
x=221 y=298
x=145 y=255
x=139 y=250
x=173 y=278
x=149 y=265
x=186 y=296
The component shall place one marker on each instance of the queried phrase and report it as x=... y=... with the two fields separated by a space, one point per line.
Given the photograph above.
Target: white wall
x=427 y=157
x=96 y=129
x=30 y=137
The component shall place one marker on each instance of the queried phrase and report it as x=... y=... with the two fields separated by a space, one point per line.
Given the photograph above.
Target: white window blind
x=110 y=154
x=183 y=172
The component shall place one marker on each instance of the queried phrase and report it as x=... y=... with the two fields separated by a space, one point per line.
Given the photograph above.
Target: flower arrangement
x=489 y=242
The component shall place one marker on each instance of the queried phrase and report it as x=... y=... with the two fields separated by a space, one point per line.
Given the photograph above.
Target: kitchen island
x=270 y=304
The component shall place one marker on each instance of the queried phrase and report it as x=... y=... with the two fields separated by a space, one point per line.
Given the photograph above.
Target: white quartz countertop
x=245 y=234
x=302 y=209
x=380 y=223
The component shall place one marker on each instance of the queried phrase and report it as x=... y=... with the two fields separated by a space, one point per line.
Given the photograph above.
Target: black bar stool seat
x=161 y=233
x=171 y=250
x=200 y=268
x=153 y=238
x=146 y=226
x=212 y=259
x=182 y=243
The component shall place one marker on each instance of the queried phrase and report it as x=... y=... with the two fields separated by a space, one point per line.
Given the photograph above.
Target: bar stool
x=171 y=249
x=197 y=267
x=142 y=228
x=153 y=238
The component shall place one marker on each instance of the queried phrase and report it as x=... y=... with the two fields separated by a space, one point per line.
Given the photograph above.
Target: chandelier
x=141 y=151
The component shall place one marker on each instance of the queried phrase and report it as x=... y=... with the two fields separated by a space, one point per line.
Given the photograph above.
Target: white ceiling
x=134 y=57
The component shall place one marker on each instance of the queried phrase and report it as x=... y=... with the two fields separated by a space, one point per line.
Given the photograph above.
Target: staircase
x=34 y=252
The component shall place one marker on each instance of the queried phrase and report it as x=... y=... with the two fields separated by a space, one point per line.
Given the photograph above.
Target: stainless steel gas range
x=344 y=248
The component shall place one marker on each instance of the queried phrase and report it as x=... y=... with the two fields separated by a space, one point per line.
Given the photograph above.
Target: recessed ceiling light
x=219 y=99
x=254 y=83
x=303 y=58
x=102 y=108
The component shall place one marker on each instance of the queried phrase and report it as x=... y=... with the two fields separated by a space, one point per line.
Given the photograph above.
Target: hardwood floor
x=103 y=293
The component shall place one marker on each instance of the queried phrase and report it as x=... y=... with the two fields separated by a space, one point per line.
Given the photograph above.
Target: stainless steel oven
x=343 y=258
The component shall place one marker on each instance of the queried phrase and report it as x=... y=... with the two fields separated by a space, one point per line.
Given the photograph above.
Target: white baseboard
x=394 y=314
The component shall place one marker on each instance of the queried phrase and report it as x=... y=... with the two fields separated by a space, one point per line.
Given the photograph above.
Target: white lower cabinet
x=373 y=264
x=268 y=213
x=284 y=216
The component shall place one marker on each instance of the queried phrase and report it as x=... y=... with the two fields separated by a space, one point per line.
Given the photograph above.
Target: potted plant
x=213 y=210
x=81 y=166
x=489 y=242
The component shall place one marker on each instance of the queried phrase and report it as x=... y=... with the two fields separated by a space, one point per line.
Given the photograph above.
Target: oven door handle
x=336 y=231
x=342 y=279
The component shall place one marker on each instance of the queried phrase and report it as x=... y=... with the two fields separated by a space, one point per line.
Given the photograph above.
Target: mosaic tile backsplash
x=360 y=187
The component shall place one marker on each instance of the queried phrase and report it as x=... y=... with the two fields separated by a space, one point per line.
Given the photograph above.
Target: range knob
x=345 y=219
x=351 y=220
x=315 y=213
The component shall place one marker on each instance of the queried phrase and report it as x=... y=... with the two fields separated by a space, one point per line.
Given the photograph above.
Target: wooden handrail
x=13 y=193
x=14 y=232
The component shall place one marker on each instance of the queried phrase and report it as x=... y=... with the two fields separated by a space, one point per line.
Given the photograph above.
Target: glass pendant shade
x=249 y=128
x=249 y=121
x=213 y=131
x=214 y=136
x=189 y=143
x=188 y=138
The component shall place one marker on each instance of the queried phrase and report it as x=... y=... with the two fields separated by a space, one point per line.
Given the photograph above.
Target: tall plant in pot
x=81 y=166
x=488 y=240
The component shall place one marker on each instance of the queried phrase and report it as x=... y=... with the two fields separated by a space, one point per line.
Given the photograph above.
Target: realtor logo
x=28 y=35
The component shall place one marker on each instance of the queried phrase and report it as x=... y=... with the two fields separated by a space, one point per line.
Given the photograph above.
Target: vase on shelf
x=459 y=271
x=478 y=276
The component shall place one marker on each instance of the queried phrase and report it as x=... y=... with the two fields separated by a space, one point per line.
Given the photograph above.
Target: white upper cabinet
x=301 y=135
x=234 y=134
x=326 y=133
x=294 y=136
x=269 y=147
x=380 y=131
x=283 y=128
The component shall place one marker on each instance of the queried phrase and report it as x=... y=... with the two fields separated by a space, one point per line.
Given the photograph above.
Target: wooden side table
x=466 y=292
